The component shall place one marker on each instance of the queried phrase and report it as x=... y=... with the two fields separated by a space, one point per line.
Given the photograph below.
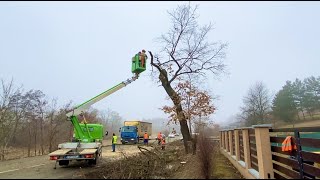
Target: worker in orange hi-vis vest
x=163 y=143
x=159 y=137
x=145 y=138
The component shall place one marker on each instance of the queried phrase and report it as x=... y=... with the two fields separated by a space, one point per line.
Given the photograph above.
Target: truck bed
x=61 y=152
x=88 y=151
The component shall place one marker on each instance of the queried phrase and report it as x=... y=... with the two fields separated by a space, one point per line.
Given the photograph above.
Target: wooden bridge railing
x=256 y=152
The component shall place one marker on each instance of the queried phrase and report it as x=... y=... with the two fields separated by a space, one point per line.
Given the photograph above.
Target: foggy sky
x=76 y=50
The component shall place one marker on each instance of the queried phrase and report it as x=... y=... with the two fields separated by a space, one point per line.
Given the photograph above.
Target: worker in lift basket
x=114 y=142
x=143 y=57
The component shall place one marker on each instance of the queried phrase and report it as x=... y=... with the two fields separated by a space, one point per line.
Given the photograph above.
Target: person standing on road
x=145 y=138
x=114 y=142
x=159 y=137
x=163 y=143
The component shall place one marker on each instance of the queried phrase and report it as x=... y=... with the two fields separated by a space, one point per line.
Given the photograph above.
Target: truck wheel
x=64 y=163
x=93 y=161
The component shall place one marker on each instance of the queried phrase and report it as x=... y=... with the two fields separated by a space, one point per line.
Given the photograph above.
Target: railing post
x=237 y=144
x=222 y=142
x=230 y=142
x=220 y=139
x=264 y=154
x=246 y=148
x=227 y=141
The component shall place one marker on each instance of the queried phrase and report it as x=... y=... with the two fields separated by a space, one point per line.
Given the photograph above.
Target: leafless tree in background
x=9 y=114
x=31 y=123
x=257 y=105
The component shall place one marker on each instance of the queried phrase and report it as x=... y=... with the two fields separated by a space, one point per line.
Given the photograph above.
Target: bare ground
x=40 y=167
x=172 y=163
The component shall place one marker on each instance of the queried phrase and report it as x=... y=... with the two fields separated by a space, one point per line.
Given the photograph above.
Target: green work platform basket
x=136 y=64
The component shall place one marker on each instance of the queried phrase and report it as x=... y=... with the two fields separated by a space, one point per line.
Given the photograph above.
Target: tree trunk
x=2 y=154
x=35 y=136
x=185 y=134
x=35 y=144
x=50 y=133
x=29 y=144
x=293 y=123
x=304 y=117
x=50 y=147
x=15 y=126
x=180 y=114
x=41 y=135
x=190 y=126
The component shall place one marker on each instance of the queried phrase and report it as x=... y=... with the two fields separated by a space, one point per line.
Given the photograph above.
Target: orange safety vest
x=163 y=142
x=287 y=144
x=145 y=136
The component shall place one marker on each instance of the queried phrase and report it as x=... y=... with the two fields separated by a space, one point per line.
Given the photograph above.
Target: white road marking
x=21 y=168
x=9 y=171
x=38 y=165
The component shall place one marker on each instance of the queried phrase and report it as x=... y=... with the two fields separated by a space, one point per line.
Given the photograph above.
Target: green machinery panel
x=95 y=130
x=136 y=64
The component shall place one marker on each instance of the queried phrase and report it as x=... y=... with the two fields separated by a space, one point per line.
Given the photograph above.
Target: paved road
x=40 y=167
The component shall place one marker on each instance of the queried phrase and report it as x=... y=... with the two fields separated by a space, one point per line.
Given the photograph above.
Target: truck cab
x=129 y=134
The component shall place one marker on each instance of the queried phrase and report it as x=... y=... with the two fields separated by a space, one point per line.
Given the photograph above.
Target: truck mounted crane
x=87 y=143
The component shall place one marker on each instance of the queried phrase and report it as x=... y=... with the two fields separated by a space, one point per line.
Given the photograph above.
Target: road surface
x=40 y=167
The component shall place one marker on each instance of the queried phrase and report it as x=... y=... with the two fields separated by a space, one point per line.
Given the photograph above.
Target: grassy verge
x=223 y=168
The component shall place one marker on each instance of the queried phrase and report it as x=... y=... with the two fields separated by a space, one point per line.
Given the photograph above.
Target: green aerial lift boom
x=82 y=133
x=88 y=137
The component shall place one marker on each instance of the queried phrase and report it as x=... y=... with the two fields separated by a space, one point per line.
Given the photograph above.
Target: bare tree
x=9 y=99
x=59 y=125
x=257 y=105
x=187 y=51
x=111 y=120
x=51 y=125
x=41 y=105
x=17 y=109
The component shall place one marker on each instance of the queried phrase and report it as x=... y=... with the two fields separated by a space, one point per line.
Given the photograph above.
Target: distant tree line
x=33 y=123
x=297 y=100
